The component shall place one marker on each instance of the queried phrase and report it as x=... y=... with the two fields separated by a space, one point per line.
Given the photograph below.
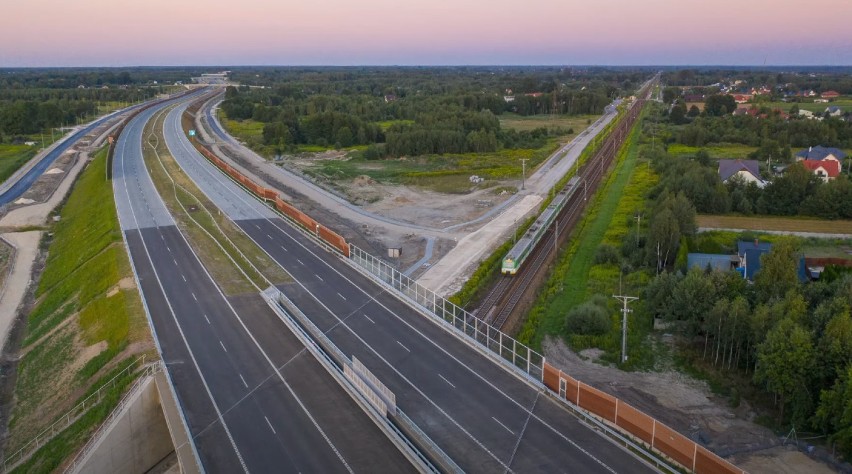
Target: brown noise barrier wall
x=650 y=432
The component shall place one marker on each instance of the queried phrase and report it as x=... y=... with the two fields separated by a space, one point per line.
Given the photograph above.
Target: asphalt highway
x=485 y=418
x=252 y=397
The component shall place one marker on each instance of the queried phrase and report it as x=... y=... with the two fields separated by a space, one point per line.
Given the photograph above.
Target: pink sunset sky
x=412 y=32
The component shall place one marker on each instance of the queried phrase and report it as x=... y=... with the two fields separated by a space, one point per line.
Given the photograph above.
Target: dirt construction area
x=688 y=406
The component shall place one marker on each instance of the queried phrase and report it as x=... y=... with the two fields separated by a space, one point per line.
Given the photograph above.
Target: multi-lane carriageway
x=284 y=416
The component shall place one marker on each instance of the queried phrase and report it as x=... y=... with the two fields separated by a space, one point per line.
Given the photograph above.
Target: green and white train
x=521 y=250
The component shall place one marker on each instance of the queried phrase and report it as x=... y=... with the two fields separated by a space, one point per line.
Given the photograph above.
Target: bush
x=590 y=318
x=607 y=253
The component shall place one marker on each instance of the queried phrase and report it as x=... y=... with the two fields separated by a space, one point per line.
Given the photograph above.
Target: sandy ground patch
x=26 y=245
x=782 y=460
x=449 y=274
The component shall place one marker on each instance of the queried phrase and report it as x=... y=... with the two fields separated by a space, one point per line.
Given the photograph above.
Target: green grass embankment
x=88 y=318
x=576 y=276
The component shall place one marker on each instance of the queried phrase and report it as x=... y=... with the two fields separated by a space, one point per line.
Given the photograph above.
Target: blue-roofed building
x=720 y=262
x=749 y=253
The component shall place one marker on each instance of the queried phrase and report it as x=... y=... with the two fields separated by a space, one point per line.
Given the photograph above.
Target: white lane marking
x=270 y=424
x=318 y=277
x=369 y=319
x=448 y=382
x=284 y=248
x=174 y=316
x=193 y=296
x=270 y=237
x=244 y=380
x=184 y=278
x=403 y=346
x=169 y=249
x=208 y=319
x=175 y=262
x=269 y=361
x=223 y=346
x=338 y=294
x=504 y=426
x=300 y=262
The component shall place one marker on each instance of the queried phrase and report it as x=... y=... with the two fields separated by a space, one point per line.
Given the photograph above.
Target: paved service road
x=253 y=398
x=485 y=418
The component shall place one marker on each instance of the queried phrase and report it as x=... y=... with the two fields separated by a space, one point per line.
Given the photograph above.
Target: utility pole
x=638 y=219
x=624 y=299
x=524 y=172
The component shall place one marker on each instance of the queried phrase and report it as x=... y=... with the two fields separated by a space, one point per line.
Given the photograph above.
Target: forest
x=414 y=111
x=34 y=100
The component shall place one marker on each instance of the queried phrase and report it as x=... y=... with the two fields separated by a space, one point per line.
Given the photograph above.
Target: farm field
x=785 y=224
x=844 y=104
x=719 y=151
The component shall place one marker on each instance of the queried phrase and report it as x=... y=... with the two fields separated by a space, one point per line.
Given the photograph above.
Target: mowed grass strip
x=83 y=318
x=567 y=287
x=776 y=224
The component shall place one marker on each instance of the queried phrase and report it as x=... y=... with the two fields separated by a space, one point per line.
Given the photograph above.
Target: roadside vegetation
x=221 y=246
x=587 y=266
x=783 y=344
x=86 y=322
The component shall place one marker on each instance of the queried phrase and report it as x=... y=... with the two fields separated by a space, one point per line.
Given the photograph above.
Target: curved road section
x=24 y=182
x=484 y=417
x=252 y=398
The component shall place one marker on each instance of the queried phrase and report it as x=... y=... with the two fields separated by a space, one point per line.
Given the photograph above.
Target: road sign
x=192 y=133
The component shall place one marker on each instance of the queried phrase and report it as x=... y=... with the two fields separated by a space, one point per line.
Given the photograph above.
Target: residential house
x=834 y=111
x=508 y=98
x=809 y=115
x=825 y=170
x=822 y=153
x=742 y=98
x=390 y=98
x=747 y=170
x=830 y=95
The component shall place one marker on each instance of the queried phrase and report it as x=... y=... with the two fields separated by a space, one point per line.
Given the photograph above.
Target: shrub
x=590 y=318
x=607 y=253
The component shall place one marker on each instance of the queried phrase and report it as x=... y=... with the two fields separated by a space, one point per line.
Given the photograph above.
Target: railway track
x=501 y=301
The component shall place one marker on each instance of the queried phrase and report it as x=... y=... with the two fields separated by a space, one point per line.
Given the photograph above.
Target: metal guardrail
x=65 y=420
x=147 y=371
x=395 y=420
x=509 y=350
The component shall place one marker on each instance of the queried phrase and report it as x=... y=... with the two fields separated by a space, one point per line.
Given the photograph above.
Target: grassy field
x=576 y=276
x=844 y=104
x=530 y=122
x=732 y=150
x=84 y=323
x=448 y=173
x=788 y=224
x=13 y=157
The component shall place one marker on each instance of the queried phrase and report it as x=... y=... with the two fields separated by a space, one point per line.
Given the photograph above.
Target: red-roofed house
x=825 y=169
x=830 y=95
